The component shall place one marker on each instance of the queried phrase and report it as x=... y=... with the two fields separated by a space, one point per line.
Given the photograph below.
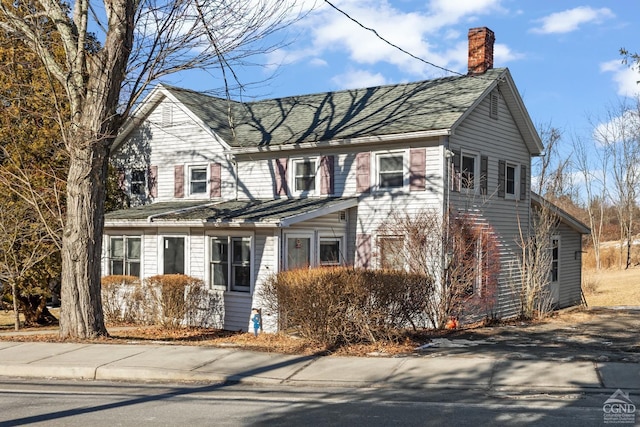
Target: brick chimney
x=481 y=41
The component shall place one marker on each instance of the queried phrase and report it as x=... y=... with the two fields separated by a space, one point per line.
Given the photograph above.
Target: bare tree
x=531 y=282
x=619 y=135
x=592 y=162
x=458 y=252
x=137 y=43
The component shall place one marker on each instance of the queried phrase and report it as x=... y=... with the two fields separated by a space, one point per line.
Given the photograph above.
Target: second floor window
x=304 y=175
x=138 y=182
x=198 y=180
x=468 y=172
x=390 y=171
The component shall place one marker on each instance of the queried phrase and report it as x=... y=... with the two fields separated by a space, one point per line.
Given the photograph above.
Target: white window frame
x=376 y=170
x=191 y=168
x=341 y=250
x=230 y=286
x=476 y=171
x=187 y=252
x=125 y=259
x=316 y=175
x=516 y=180
x=313 y=247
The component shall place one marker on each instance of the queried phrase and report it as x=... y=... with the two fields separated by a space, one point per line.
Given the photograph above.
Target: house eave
x=399 y=137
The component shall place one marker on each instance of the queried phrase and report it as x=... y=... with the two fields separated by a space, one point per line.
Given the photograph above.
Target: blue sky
x=563 y=55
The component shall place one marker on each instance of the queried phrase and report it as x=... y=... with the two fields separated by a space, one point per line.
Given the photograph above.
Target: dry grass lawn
x=612 y=287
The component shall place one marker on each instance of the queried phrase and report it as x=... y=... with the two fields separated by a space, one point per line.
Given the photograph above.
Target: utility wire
x=389 y=43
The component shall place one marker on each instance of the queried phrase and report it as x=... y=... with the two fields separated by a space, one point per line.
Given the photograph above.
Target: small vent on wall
x=493 y=105
x=167 y=115
x=342 y=215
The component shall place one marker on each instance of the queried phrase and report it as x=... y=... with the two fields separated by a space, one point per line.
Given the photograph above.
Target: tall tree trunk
x=81 y=309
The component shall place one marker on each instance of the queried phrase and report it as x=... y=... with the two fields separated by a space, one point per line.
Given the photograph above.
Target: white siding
x=183 y=142
x=498 y=140
x=570 y=267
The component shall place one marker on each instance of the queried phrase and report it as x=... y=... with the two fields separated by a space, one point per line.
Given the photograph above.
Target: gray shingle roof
x=383 y=110
x=254 y=211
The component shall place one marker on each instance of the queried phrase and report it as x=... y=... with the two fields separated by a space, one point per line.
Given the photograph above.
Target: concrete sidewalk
x=173 y=363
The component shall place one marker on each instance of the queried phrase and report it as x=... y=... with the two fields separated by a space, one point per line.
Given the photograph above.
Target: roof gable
x=401 y=109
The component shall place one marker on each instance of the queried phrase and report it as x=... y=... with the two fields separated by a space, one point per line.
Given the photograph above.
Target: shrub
x=122 y=299
x=176 y=298
x=170 y=300
x=340 y=305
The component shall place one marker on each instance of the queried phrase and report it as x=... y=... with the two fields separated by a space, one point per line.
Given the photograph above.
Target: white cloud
x=625 y=78
x=358 y=78
x=428 y=34
x=570 y=19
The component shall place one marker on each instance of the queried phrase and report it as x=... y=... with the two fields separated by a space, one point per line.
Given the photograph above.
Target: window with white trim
x=305 y=175
x=330 y=251
x=511 y=180
x=469 y=171
x=230 y=263
x=124 y=255
x=197 y=180
x=390 y=170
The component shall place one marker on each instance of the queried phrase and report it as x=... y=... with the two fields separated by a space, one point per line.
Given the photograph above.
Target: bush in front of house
x=175 y=298
x=122 y=299
x=341 y=305
x=169 y=300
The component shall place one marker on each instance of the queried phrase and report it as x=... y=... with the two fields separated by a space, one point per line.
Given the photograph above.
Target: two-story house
x=231 y=192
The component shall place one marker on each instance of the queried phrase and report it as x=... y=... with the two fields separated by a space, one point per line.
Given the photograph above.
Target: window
x=173 y=255
x=124 y=255
x=230 y=263
x=555 y=258
x=511 y=180
x=391 y=170
x=298 y=252
x=197 y=180
x=468 y=172
x=304 y=178
x=391 y=250
x=329 y=251
x=138 y=182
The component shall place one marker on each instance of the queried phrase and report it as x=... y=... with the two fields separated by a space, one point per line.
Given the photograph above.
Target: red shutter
x=326 y=174
x=363 y=176
x=215 y=184
x=178 y=181
x=281 y=177
x=363 y=250
x=153 y=181
x=417 y=168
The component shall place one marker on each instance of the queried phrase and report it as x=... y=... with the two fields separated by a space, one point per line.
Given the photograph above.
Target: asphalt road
x=77 y=403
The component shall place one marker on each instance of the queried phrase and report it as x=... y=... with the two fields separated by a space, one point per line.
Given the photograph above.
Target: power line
x=389 y=43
